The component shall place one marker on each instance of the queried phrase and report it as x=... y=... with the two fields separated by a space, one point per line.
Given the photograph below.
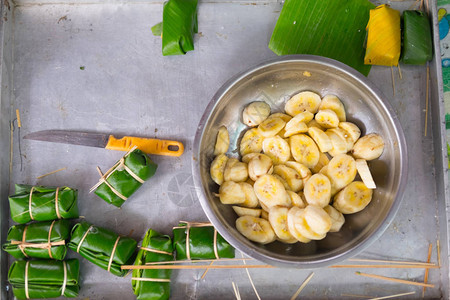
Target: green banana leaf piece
x=98 y=245
x=157 y=29
x=121 y=180
x=201 y=243
x=179 y=26
x=37 y=240
x=42 y=203
x=152 y=290
x=330 y=28
x=45 y=278
x=417 y=41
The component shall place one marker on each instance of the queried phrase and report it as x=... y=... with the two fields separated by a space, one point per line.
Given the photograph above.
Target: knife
x=91 y=139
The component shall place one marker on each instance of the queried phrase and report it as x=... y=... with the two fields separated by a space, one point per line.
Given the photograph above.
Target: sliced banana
x=303 y=101
x=271 y=126
x=235 y=171
x=231 y=193
x=222 y=141
x=353 y=198
x=339 y=143
x=304 y=150
x=324 y=170
x=304 y=117
x=286 y=118
x=278 y=220
x=314 y=123
x=294 y=128
x=341 y=170
x=291 y=176
x=301 y=169
x=277 y=149
x=292 y=220
x=265 y=215
x=369 y=147
x=351 y=129
x=218 y=167
x=323 y=161
x=332 y=102
x=364 y=173
x=337 y=218
x=344 y=135
x=244 y=211
x=247 y=157
x=255 y=113
x=251 y=201
x=327 y=118
x=271 y=192
x=259 y=165
x=297 y=199
x=251 y=142
x=317 y=190
x=321 y=138
x=284 y=182
x=255 y=229
x=303 y=227
x=318 y=219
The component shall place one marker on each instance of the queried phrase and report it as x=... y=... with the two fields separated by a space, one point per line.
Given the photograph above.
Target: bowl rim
x=366 y=241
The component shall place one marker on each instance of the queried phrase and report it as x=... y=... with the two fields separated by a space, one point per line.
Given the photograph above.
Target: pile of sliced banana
x=296 y=176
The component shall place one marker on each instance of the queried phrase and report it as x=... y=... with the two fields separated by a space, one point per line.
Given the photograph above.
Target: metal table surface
x=95 y=66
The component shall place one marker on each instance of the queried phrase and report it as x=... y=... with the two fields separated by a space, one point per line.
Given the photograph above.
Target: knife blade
x=108 y=141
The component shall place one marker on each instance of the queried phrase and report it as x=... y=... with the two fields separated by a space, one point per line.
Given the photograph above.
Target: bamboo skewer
x=385 y=266
x=50 y=173
x=236 y=291
x=393 y=296
x=196 y=261
x=438 y=247
x=393 y=261
x=355 y=296
x=302 y=286
x=426 y=99
x=395 y=280
x=393 y=81
x=250 y=278
x=400 y=72
x=206 y=271
x=174 y=267
x=425 y=279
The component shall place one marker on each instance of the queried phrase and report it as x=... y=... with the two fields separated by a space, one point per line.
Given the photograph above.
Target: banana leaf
x=179 y=26
x=417 y=43
x=383 y=37
x=43 y=203
x=121 y=179
x=330 y=28
x=45 y=278
x=36 y=241
x=200 y=242
x=143 y=287
x=97 y=245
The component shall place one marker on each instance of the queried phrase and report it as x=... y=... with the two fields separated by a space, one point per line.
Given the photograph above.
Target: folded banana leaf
x=417 y=43
x=44 y=278
x=330 y=28
x=38 y=203
x=45 y=240
x=200 y=241
x=179 y=26
x=383 y=37
x=153 y=284
x=102 y=247
x=125 y=177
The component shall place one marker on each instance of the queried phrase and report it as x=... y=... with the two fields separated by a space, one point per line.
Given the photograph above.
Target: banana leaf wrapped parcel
x=38 y=203
x=102 y=247
x=44 y=278
x=153 y=284
x=200 y=241
x=44 y=240
x=125 y=177
x=417 y=46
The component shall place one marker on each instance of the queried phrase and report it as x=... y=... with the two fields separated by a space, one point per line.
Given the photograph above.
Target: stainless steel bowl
x=273 y=82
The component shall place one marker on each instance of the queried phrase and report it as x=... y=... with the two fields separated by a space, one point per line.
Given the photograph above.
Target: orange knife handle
x=150 y=146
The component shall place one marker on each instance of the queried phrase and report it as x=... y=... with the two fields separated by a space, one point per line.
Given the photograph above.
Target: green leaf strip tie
x=198 y=224
x=63 y=289
x=120 y=164
x=22 y=244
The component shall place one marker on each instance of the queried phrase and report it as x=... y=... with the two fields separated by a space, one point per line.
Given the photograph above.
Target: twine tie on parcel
x=30 y=198
x=112 y=253
x=198 y=224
